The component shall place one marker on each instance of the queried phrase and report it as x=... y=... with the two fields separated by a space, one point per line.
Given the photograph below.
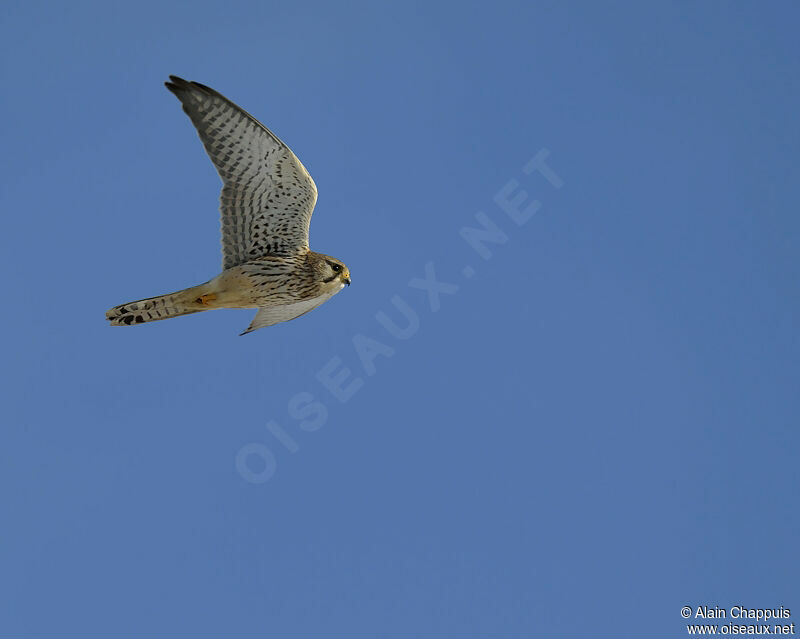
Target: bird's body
x=266 y=203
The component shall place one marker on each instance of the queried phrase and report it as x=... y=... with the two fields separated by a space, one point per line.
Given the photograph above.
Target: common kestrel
x=266 y=204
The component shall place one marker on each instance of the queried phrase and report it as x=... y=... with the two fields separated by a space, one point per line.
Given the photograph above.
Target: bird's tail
x=152 y=309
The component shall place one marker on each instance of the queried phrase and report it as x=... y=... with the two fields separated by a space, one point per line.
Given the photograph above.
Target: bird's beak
x=346 y=280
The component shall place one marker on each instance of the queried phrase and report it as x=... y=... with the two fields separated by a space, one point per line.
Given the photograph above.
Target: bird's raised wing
x=267 y=194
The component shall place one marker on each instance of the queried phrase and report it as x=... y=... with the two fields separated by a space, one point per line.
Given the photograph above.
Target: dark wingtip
x=176 y=84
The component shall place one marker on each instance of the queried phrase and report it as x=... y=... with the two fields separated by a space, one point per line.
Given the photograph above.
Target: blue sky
x=596 y=428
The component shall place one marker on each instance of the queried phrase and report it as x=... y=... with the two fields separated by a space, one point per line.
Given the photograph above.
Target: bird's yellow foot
x=206 y=299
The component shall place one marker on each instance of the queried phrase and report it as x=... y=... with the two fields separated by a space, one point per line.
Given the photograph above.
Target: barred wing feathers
x=267 y=195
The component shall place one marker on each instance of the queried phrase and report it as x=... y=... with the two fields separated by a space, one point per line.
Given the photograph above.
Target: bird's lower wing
x=277 y=314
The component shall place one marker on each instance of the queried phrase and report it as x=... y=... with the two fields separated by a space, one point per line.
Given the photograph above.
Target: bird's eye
x=336 y=268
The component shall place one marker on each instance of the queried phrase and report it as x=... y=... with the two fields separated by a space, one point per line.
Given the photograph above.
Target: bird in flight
x=266 y=204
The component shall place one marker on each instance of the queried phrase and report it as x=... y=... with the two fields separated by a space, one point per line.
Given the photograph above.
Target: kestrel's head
x=330 y=272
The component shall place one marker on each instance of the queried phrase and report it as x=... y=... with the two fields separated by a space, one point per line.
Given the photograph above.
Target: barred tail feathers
x=157 y=308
